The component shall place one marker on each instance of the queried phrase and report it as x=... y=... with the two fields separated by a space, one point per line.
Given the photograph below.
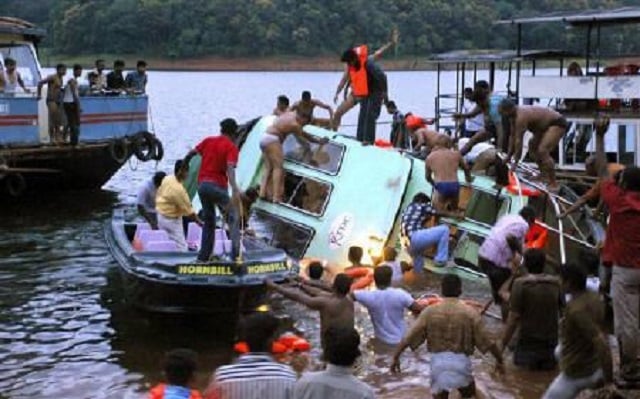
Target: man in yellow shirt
x=172 y=203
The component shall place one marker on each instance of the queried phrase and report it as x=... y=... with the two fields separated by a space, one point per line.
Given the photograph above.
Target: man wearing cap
x=217 y=171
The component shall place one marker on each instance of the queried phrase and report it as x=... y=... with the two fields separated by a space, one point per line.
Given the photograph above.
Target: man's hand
x=154 y=225
x=469 y=178
x=395 y=36
x=335 y=99
x=324 y=140
x=395 y=365
x=602 y=125
x=458 y=117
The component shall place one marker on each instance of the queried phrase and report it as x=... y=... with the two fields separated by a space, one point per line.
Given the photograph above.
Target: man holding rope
x=217 y=172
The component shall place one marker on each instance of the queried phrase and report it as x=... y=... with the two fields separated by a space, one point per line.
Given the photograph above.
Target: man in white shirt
x=336 y=382
x=146 y=200
x=387 y=307
x=475 y=124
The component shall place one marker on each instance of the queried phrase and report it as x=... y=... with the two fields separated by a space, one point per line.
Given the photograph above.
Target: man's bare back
x=336 y=311
x=284 y=125
x=535 y=119
x=443 y=162
x=426 y=137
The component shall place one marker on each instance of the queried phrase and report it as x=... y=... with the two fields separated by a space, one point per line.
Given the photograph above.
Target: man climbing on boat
x=307 y=104
x=419 y=238
x=336 y=308
x=272 y=187
x=548 y=128
x=423 y=138
x=282 y=105
x=441 y=170
x=368 y=84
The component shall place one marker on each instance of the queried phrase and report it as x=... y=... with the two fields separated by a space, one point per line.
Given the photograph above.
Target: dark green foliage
x=191 y=28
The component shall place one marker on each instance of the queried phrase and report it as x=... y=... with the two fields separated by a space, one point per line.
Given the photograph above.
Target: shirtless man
x=336 y=308
x=442 y=173
x=547 y=126
x=271 y=146
x=282 y=105
x=306 y=106
x=350 y=100
x=54 y=87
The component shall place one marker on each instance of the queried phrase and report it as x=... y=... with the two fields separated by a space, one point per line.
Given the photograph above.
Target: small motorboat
x=159 y=278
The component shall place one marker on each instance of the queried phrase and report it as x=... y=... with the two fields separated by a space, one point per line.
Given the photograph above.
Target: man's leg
x=469 y=391
x=375 y=105
x=276 y=158
x=231 y=216
x=207 y=198
x=442 y=235
x=625 y=292
x=342 y=109
x=425 y=238
x=548 y=142
x=267 y=171
x=479 y=137
x=173 y=227
x=365 y=105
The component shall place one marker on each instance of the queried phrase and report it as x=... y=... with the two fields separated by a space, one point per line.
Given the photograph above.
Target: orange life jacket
x=358 y=77
x=414 y=122
x=362 y=277
x=157 y=392
x=536 y=237
x=526 y=190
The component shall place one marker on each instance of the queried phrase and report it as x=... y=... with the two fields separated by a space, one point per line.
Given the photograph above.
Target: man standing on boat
x=353 y=76
x=71 y=105
x=369 y=86
x=548 y=127
x=146 y=199
x=218 y=171
x=54 y=95
x=272 y=187
x=99 y=82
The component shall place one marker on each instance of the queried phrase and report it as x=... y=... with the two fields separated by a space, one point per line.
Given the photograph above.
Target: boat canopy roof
x=624 y=15
x=16 y=26
x=486 y=56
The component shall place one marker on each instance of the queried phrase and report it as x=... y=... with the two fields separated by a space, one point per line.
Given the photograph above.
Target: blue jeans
x=423 y=239
x=212 y=195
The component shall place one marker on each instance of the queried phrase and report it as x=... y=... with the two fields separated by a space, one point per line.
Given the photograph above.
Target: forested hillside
x=192 y=28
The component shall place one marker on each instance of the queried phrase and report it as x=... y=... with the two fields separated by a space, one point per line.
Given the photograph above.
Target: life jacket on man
x=536 y=237
x=158 y=392
x=358 y=77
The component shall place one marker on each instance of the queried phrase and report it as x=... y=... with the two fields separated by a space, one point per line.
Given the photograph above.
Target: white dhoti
x=450 y=371
x=173 y=227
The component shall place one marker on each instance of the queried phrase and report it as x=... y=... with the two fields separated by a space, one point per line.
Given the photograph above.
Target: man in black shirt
x=115 y=78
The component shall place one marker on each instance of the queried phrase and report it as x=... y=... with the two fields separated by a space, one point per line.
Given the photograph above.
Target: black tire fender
x=119 y=150
x=15 y=184
x=158 y=152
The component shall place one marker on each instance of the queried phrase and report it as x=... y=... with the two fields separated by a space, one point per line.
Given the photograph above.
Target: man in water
x=173 y=203
x=442 y=173
x=341 y=351
x=354 y=255
x=336 y=308
x=146 y=200
x=453 y=331
x=306 y=105
x=421 y=238
x=282 y=105
x=585 y=357
x=273 y=157
x=351 y=99
x=54 y=89
x=218 y=172
x=180 y=366
x=534 y=308
x=387 y=307
x=594 y=166
x=548 y=127
x=502 y=248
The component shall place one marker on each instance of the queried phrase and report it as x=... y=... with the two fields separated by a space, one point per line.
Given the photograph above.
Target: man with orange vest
x=369 y=86
x=179 y=369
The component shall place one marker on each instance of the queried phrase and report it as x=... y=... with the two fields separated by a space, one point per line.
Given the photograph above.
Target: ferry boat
x=113 y=128
x=345 y=193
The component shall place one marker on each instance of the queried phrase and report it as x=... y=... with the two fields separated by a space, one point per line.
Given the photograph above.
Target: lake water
x=65 y=329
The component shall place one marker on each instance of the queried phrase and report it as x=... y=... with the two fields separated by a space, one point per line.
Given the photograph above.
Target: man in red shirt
x=217 y=171
x=621 y=194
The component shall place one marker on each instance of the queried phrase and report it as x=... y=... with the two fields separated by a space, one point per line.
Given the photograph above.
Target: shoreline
x=237 y=64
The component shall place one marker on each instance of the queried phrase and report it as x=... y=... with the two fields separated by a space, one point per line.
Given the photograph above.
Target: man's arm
x=466 y=169
x=42 y=83
x=342 y=84
x=317 y=284
x=517 y=134
x=428 y=172
x=147 y=216
x=296 y=295
x=395 y=362
x=512 y=324
x=320 y=104
x=474 y=112
x=310 y=138
x=192 y=153
x=312 y=290
x=602 y=125
x=395 y=35
x=21 y=83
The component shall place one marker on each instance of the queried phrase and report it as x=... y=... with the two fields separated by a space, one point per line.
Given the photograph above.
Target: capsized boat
x=345 y=193
x=158 y=278
x=113 y=128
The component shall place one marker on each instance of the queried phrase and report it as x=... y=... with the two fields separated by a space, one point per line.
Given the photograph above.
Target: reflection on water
x=65 y=329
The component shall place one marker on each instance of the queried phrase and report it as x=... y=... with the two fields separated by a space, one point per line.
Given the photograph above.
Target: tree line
x=256 y=28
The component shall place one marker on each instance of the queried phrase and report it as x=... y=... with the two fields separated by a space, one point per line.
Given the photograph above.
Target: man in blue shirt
x=136 y=81
x=387 y=307
x=421 y=238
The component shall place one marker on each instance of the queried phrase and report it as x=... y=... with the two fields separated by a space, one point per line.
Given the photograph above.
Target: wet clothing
x=414 y=217
x=472 y=125
x=421 y=238
x=267 y=139
x=166 y=391
x=536 y=298
x=622 y=242
x=447 y=189
x=565 y=387
x=218 y=152
x=625 y=289
x=335 y=382
x=253 y=376
x=147 y=197
x=495 y=247
x=387 y=308
x=450 y=371
x=450 y=326
x=497 y=277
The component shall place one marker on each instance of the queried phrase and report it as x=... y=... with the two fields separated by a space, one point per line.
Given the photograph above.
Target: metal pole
x=457 y=85
x=492 y=74
x=463 y=82
x=588 y=48
x=519 y=54
x=475 y=72
x=438 y=98
x=533 y=68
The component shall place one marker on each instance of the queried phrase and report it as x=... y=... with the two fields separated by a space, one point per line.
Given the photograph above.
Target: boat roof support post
x=533 y=67
x=455 y=97
x=519 y=54
x=459 y=101
x=492 y=74
x=509 y=77
x=597 y=56
x=588 y=48
x=438 y=97
x=475 y=72
x=561 y=66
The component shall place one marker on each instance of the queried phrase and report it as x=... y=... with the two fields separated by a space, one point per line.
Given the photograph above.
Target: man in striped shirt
x=254 y=375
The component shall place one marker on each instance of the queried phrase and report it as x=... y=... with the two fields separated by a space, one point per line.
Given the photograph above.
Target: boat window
x=305 y=193
x=281 y=233
x=619 y=143
x=26 y=64
x=326 y=158
x=484 y=207
x=576 y=143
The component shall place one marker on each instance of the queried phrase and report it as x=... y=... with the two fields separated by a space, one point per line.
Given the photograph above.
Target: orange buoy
x=362 y=277
x=526 y=191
